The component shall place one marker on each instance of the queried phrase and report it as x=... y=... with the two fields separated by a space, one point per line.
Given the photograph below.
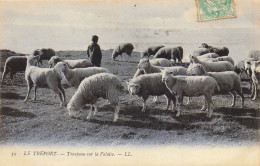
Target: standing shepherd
x=94 y=52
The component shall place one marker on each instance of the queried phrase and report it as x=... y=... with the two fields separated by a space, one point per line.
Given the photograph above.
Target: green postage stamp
x=215 y=9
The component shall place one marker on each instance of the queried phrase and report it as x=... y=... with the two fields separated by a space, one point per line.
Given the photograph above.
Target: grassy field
x=45 y=122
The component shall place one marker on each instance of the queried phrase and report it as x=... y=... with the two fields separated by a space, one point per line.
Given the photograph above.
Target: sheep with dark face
x=149 y=85
x=175 y=53
x=44 y=53
x=221 y=51
x=123 y=48
x=150 y=51
x=228 y=81
x=77 y=63
x=13 y=65
x=102 y=85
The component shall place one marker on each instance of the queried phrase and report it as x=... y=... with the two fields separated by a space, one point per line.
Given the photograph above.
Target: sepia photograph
x=108 y=82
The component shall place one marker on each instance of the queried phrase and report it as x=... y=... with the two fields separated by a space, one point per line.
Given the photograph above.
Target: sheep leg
x=63 y=93
x=179 y=104
x=90 y=112
x=210 y=109
x=58 y=91
x=189 y=100
x=255 y=91
x=204 y=106
x=168 y=101
x=233 y=93
x=6 y=71
x=155 y=99
x=35 y=89
x=117 y=108
x=12 y=77
x=144 y=103
x=95 y=109
x=29 y=87
x=240 y=93
x=252 y=91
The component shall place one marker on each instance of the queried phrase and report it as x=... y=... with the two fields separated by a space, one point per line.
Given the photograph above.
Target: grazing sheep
x=228 y=81
x=105 y=85
x=43 y=77
x=255 y=78
x=145 y=65
x=150 y=51
x=254 y=54
x=75 y=76
x=221 y=51
x=226 y=58
x=214 y=66
x=78 y=63
x=170 y=53
x=200 y=51
x=45 y=54
x=13 y=65
x=123 y=48
x=149 y=84
x=191 y=86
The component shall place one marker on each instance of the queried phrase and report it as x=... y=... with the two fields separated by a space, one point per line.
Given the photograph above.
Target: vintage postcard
x=131 y=82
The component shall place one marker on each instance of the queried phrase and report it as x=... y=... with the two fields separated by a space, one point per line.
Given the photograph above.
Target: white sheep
x=228 y=81
x=200 y=51
x=191 y=86
x=226 y=58
x=105 y=85
x=255 y=68
x=75 y=76
x=155 y=62
x=214 y=66
x=13 y=65
x=77 y=63
x=209 y=55
x=145 y=65
x=149 y=85
x=43 y=77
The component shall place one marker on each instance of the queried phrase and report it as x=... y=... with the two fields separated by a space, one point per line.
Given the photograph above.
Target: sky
x=26 y=26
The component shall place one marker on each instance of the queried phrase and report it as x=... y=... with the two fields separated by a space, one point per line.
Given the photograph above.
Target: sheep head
x=114 y=55
x=73 y=110
x=143 y=64
x=196 y=69
x=133 y=88
x=168 y=78
x=32 y=60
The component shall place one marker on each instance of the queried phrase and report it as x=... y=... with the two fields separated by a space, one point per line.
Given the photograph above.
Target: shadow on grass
x=10 y=95
x=15 y=112
x=248 y=117
x=151 y=119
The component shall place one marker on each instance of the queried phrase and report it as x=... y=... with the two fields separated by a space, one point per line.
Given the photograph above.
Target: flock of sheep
x=211 y=71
